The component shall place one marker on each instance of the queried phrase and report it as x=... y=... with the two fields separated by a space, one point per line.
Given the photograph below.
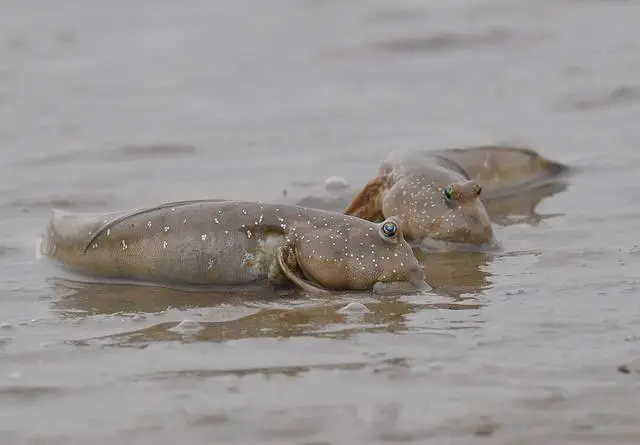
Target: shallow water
x=115 y=105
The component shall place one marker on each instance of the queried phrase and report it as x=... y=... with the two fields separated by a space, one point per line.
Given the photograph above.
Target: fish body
x=437 y=202
x=441 y=194
x=219 y=242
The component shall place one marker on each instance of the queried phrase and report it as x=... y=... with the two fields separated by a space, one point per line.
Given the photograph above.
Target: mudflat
x=123 y=105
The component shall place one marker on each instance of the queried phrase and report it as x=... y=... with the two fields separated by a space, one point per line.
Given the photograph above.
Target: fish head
x=441 y=212
x=354 y=254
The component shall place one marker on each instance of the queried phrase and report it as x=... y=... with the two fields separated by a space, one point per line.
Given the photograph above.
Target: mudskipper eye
x=477 y=189
x=448 y=192
x=389 y=229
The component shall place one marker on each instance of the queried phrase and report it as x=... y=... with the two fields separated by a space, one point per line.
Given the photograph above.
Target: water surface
x=115 y=105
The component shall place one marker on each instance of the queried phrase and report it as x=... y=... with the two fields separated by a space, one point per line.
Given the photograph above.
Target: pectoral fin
x=367 y=204
x=276 y=277
x=400 y=287
x=288 y=265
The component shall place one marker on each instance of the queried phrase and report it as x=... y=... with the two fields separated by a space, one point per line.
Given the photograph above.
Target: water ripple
x=445 y=41
x=70 y=201
x=152 y=150
x=376 y=366
x=617 y=96
x=17 y=393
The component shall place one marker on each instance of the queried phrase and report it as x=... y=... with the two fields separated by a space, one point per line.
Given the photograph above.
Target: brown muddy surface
x=115 y=105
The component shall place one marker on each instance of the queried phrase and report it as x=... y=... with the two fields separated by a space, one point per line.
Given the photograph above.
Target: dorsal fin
x=367 y=204
x=126 y=216
x=445 y=162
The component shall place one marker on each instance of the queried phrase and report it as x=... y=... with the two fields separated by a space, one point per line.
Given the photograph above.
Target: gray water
x=115 y=105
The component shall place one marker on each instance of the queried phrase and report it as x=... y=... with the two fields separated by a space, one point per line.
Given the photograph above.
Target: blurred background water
x=114 y=105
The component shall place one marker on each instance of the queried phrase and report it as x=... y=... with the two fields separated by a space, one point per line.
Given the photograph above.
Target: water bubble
x=187 y=327
x=335 y=183
x=354 y=308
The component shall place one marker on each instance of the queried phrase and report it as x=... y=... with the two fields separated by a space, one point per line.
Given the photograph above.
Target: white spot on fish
x=166 y=228
x=124 y=244
x=203 y=237
x=108 y=232
x=164 y=244
x=215 y=220
x=149 y=224
x=210 y=266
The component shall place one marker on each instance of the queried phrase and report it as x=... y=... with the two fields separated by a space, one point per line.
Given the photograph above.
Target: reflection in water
x=521 y=208
x=116 y=298
x=453 y=274
x=253 y=314
x=320 y=320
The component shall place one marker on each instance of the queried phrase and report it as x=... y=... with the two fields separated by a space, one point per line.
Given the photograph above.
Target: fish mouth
x=400 y=287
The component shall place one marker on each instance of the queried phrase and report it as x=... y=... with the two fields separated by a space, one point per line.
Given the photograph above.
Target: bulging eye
x=390 y=229
x=477 y=189
x=448 y=192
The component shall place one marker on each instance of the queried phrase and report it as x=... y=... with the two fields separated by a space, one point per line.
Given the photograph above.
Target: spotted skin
x=216 y=242
x=413 y=186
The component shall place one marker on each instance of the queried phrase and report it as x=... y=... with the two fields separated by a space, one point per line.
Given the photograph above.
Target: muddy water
x=114 y=105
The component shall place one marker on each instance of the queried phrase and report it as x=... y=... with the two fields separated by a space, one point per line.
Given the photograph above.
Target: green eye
x=477 y=189
x=389 y=229
x=448 y=192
